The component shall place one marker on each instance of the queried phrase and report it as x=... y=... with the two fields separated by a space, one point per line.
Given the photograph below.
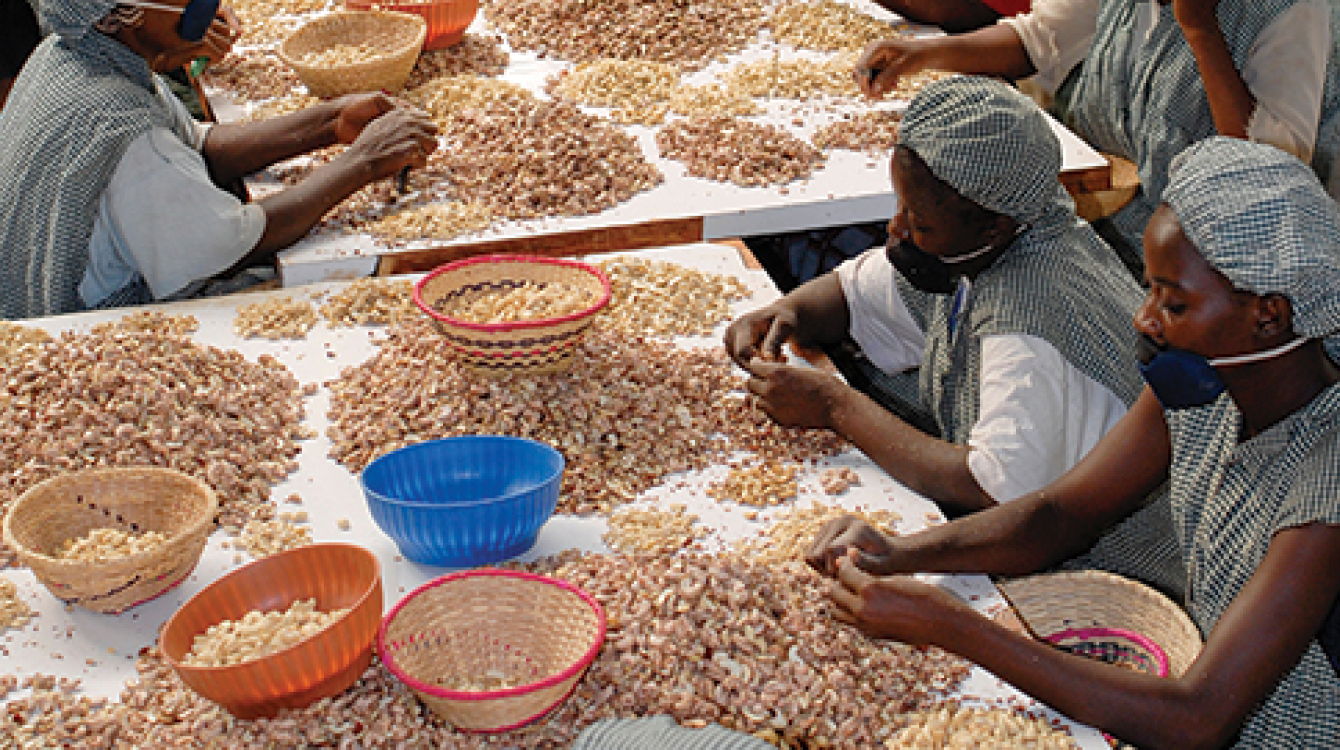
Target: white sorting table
x=849 y=188
x=100 y=649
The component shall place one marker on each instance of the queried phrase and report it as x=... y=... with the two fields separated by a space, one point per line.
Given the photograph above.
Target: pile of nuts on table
x=690 y=73
x=737 y=636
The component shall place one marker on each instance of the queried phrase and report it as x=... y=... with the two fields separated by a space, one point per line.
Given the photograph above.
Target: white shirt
x=1038 y=414
x=1285 y=69
x=162 y=218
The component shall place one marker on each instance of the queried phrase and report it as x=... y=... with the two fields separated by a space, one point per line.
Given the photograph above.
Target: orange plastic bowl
x=337 y=575
x=447 y=19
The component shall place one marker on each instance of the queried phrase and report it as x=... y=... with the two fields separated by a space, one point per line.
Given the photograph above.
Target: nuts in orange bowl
x=327 y=578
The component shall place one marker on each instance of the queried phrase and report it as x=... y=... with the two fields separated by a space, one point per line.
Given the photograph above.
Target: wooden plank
x=658 y=233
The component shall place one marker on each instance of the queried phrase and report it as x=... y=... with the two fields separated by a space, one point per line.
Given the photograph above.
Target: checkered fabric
x=1261 y=218
x=991 y=144
x=662 y=733
x=1228 y=500
x=71 y=19
x=1146 y=101
x=75 y=108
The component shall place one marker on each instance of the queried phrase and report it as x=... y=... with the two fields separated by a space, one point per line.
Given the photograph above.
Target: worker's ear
x=1274 y=316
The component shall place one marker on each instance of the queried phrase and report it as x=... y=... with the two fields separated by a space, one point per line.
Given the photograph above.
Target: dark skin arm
x=1029 y=533
x=797 y=396
x=1260 y=637
x=813 y=315
x=990 y=51
x=954 y=16
x=384 y=135
x=1231 y=102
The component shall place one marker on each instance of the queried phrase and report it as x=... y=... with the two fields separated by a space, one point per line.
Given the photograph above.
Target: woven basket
x=399 y=37
x=131 y=500
x=540 y=631
x=529 y=346
x=1107 y=617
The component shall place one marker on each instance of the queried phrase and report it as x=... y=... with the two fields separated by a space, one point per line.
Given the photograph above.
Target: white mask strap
x=1244 y=359
x=983 y=250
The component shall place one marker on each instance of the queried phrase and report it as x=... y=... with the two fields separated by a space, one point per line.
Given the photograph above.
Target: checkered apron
x=76 y=107
x=1147 y=102
x=1228 y=500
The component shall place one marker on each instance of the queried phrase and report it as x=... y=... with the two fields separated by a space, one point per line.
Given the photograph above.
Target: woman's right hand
x=884 y=61
x=870 y=550
x=760 y=333
x=399 y=137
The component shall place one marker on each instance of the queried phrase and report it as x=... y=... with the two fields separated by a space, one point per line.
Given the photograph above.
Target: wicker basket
x=1107 y=617
x=131 y=500
x=399 y=37
x=459 y=628
x=530 y=346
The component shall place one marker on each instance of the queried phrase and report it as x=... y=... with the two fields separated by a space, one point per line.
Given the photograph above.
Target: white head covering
x=1261 y=218
x=988 y=142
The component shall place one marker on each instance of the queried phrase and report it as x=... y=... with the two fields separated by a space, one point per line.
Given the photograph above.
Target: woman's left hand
x=357 y=110
x=896 y=607
x=223 y=32
x=794 y=396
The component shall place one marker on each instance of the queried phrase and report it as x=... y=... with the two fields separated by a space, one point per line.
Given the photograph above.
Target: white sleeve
x=880 y=323
x=1056 y=35
x=1038 y=416
x=1286 y=72
x=167 y=217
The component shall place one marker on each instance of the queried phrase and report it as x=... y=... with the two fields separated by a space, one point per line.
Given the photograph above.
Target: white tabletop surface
x=849 y=188
x=101 y=649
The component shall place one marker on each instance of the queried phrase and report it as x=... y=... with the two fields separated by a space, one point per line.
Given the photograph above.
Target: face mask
x=929 y=273
x=1182 y=380
x=196 y=17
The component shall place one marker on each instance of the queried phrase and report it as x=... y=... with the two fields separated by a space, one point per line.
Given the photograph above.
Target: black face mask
x=923 y=271
x=931 y=273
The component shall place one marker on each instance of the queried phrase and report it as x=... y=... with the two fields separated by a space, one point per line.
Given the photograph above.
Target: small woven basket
x=1107 y=617
x=130 y=500
x=526 y=346
x=492 y=623
x=397 y=36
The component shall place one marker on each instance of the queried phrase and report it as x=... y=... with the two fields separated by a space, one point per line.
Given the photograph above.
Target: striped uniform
x=1147 y=102
x=74 y=110
x=1228 y=500
x=1058 y=281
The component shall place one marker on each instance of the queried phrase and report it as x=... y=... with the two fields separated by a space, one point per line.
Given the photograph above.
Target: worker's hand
x=883 y=62
x=850 y=537
x=794 y=395
x=399 y=137
x=760 y=334
x=1197 y=15
x=896 y=607
x=355 y=111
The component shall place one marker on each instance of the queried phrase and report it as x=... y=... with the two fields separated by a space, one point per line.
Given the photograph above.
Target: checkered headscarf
x=990 y=143
x=1262 y=219
x=72 y=19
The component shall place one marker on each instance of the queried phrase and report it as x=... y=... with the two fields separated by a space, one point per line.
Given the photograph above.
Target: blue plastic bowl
x=464 y=501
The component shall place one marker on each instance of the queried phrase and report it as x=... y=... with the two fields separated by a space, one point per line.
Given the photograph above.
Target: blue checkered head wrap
x=72 y=19
x=1261 y=218
x=988 y=142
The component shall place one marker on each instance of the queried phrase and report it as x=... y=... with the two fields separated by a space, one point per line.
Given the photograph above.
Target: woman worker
x=1242 y=418
x=1015 y=311
x=1156 y=77
x=111 y=193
